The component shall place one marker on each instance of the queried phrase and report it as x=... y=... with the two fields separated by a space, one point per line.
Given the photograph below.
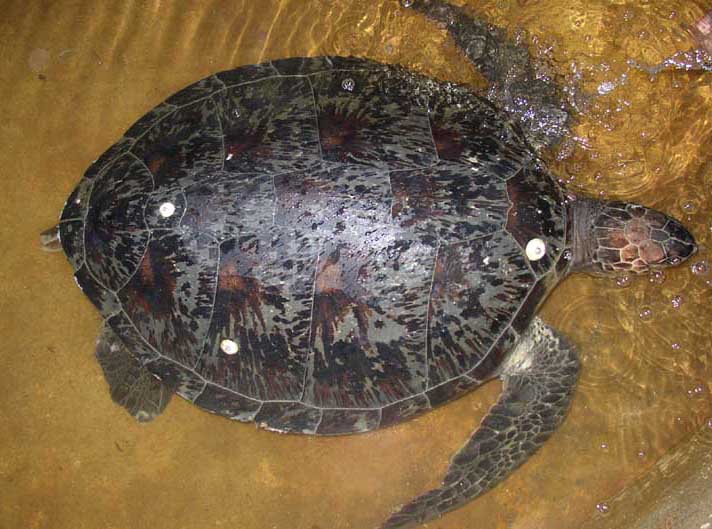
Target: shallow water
x=76 y=75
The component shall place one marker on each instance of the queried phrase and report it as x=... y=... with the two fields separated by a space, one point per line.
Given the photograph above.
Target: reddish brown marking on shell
x=340 y=133
x=245 y=294
x=439 y=280
x=448 y=143
x=330 y=311
x=328 y=278
x=247 y=143
x=332 y=304
x=166 y=162
x=163 y=158
x=448 y=280
x=416 y=195
x=153 y=287
x=514 y=225
x=155 y=163
x=145 y=271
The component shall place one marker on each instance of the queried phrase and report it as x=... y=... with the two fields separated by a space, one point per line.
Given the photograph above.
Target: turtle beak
x=680 y=244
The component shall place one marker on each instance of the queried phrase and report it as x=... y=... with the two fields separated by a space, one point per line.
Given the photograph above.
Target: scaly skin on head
x=612 y=237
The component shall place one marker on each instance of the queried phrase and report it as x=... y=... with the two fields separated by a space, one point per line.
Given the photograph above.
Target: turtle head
x=612 y=237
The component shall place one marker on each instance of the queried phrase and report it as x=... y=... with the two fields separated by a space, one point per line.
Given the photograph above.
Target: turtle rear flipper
x=130 y=383
x=539 y=378
x=533 y=99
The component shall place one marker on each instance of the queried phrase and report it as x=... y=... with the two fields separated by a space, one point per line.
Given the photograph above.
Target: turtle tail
x=49 y=239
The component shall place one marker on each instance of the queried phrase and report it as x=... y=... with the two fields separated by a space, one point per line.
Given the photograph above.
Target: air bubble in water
x=603 y=507
x=700 y=268
x=646 y=314
x=689 y=207
x=606 y=87
x=657 y=277
x=676 y=346
x=624 y=281
x=676 y=302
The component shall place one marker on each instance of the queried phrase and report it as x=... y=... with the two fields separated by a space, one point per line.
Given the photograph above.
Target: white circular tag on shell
x=535 y=250
x=166 y=209
x=348 y=84
x=229 y=347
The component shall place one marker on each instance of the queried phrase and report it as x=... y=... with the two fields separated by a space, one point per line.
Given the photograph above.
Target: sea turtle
x=332 y=245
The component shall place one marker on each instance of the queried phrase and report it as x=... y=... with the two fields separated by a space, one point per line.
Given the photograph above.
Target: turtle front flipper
x=131 y=384
x=539 y=378
x=516 y=85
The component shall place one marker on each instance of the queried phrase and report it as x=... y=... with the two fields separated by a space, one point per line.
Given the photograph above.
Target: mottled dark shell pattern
x=355 y=230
